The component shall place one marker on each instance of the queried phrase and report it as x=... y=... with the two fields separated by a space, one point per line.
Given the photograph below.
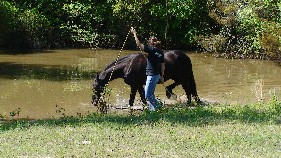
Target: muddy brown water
x=58 y=82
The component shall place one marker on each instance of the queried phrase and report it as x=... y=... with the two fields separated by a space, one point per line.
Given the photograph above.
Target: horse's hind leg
x=132 y=96
x=169 y=89
x=186 y=88
x=193 y=89
x=141 y=92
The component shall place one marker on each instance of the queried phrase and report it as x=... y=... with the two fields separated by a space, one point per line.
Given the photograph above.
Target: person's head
x=153 y=41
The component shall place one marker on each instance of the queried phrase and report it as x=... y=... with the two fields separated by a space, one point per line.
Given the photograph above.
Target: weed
x=15 y=112
x=60 y=111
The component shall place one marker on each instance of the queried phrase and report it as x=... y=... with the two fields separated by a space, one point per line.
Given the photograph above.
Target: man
x=154 y=69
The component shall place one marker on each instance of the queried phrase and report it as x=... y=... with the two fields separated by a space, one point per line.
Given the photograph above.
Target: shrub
x=249 y=29
x=22 y=29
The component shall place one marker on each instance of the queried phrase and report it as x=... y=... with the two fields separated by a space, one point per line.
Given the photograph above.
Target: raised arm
x=139 y=44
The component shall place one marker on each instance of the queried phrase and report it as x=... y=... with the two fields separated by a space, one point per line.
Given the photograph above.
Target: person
x=154 y=69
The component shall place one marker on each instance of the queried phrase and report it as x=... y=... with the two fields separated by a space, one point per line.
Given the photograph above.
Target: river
x=54 y=83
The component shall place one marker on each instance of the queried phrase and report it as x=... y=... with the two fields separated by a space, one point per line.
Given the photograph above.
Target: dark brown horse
x=131 y=68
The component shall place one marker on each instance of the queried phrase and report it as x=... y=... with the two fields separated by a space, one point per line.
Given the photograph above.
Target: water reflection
x=31 y=71
x=57 y=83
x=237 y=81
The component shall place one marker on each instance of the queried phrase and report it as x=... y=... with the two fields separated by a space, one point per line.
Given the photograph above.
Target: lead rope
x=167 y=25
x=166 y=29
x=101 y=101
x=119 y=54
x=116 y=61
x=118 y=58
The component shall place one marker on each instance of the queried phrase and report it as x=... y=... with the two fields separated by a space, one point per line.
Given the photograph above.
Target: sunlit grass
x=210 y=131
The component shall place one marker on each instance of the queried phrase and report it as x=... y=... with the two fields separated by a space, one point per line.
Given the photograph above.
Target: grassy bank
x=210 y=131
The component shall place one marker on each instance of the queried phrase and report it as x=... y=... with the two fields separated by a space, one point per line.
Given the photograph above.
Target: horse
x=132 y=68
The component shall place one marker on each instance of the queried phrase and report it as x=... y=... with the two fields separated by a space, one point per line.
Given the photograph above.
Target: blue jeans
x=150 y=85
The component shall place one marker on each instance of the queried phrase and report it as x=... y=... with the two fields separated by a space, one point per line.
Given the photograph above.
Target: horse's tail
x=192 y=86
x=191 y=79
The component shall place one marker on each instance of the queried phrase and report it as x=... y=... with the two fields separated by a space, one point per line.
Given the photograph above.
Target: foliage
x=240 y=28
x=249 y=28
x=79 y=22
x=22 y=29
x=86 y=23
x=175 y=22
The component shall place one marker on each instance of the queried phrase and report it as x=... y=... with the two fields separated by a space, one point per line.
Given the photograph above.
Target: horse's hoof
x=202 y=103
x=130 y=108
x=174 y=96
x=94 y=103
x=171 y=95
x=168 y=95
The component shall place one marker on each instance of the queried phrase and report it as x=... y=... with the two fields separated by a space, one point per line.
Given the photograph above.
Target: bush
x=22 y=29
x=7 y=18
x=175 y=22
x=249 y=29
x=233 y=28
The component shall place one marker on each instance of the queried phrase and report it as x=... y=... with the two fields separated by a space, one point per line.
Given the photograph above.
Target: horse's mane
x=121 y=61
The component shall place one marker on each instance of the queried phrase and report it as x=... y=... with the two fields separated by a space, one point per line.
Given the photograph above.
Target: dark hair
x=158 y=43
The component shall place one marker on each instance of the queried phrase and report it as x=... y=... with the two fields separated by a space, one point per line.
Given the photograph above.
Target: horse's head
x=98 y=87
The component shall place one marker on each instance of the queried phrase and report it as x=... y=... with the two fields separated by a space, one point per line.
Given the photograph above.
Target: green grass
x=210 y=131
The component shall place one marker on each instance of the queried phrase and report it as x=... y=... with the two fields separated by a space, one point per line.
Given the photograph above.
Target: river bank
x=209 y=131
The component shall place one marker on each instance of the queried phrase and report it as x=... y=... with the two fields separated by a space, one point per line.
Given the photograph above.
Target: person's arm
x=139 y=44
x=162 y=72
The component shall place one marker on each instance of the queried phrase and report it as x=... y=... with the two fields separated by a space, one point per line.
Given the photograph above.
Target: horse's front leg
x=132 y=95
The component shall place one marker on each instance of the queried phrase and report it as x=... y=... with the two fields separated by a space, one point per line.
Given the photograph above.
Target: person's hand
x=133 y=31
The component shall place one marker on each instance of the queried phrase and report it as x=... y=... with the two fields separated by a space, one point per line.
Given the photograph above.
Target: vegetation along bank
x=229 y=28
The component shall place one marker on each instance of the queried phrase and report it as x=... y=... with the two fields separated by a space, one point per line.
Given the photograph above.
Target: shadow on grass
x=198 y=116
